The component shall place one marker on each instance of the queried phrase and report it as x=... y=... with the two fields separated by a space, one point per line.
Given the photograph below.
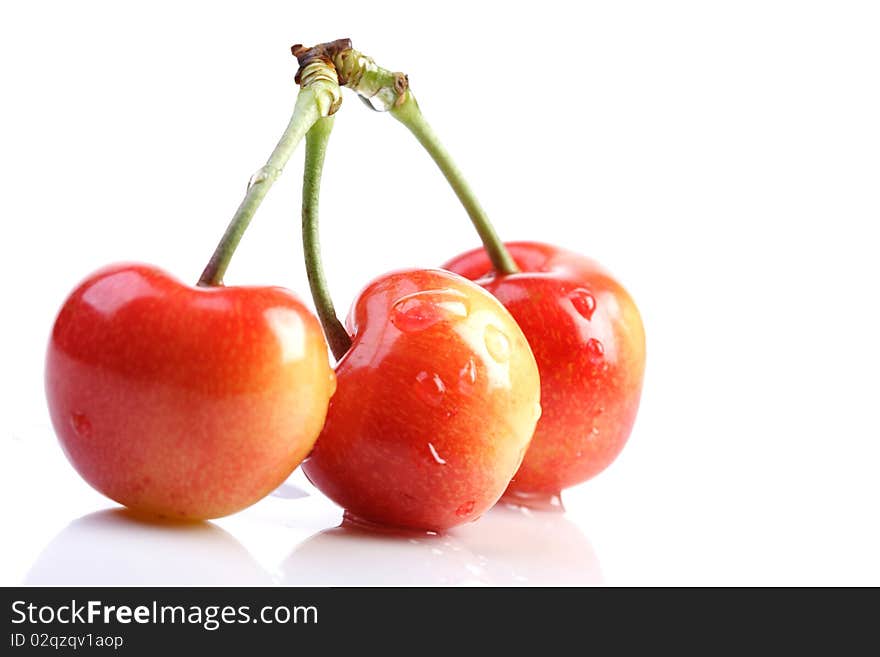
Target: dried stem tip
x=324 y=52
x=380 y=88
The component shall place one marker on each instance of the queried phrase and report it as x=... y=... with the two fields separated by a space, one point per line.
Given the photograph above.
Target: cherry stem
x=304 y=116
x=319 y=96
x=384 y=90
x=408 y=113
x=316 y=149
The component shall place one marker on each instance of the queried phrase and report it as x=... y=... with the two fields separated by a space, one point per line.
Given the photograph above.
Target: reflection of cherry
x=587 y=337
x=509 y=546
x=437 y=394
x=116 y=547
x=515 y=546
x=184 y=401
x=436 y=402
x=351 y=555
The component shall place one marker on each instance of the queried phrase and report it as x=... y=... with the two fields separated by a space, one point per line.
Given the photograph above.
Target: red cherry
x=188 y=402
x=437 y=400
x=588 y=339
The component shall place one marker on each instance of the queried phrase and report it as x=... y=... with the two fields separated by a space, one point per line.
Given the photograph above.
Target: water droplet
x=467 y=375
x=595 y=351
x=594 y=431
x=382 y=101
x=264 y=174
x=430 y=388
x=497 y=344
x=81 y=425
x=583 y=302
x=437 y=457
x=465 y=509
x=599 y=409
x=421 y=310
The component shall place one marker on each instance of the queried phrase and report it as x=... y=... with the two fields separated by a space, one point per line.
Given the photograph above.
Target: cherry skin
x=587 y=336
x=187 y=402
x=437 y=400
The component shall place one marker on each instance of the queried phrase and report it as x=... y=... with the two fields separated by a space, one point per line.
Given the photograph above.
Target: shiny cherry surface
x=589 y=342
x=437 y=400
x=187 y=402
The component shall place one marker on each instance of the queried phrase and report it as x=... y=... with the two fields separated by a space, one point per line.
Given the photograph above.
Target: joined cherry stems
x=323 y=69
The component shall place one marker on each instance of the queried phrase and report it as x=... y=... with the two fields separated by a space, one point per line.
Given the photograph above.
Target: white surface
x=721 y=158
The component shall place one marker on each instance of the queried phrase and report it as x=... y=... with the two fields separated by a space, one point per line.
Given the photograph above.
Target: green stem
x=318 y=97
x=385 y=90
x=316 y=149
x=407 y=111
x=305 y=114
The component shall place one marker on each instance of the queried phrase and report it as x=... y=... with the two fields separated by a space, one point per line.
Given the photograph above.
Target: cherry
x=437 y=400
x=187 y=402
x=583 y=327
x=438 y=391
x=587 y=337
x=193 y=402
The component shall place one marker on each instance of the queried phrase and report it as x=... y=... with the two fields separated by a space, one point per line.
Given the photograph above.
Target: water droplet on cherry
x=497 y=344
x=430 y=388
x=594 y=432
x=465 y=509
x=81 y=425
x=421 y=310
x=583 y=302
x=467 y=375
x=595 y=351
x=437 y=458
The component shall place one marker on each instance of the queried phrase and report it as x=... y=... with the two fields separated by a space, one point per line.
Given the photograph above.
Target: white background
x=722 y=158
